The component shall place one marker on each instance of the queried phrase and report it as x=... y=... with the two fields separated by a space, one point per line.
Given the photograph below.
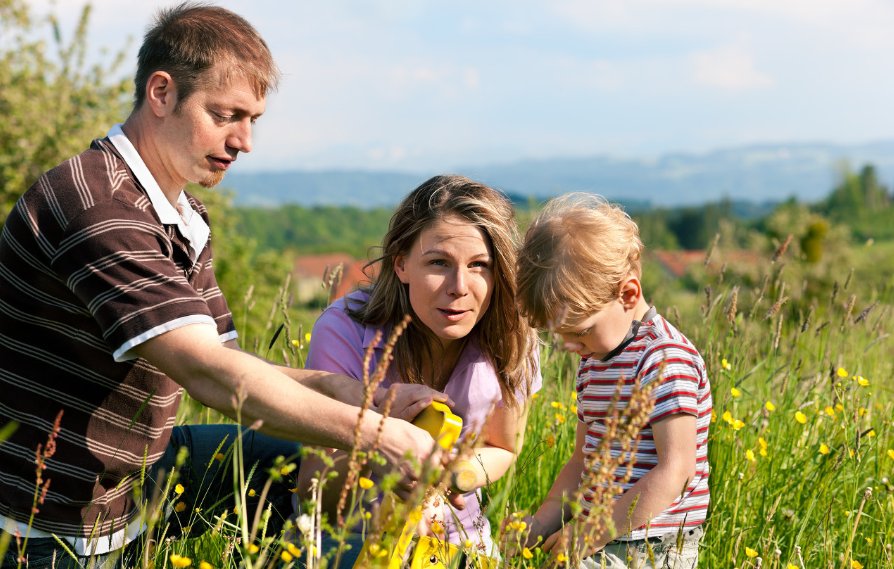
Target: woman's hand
x=409 y=399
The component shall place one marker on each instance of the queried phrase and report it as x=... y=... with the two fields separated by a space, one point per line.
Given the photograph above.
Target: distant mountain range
x=752 y=174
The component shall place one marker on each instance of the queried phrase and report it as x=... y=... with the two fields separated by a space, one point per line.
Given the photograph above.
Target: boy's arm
x=675 y=443
x=554 y=509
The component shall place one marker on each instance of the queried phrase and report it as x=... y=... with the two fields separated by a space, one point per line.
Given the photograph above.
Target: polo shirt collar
x=190 y=223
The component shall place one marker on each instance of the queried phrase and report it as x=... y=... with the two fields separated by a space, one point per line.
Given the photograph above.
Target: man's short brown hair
x=189 y=40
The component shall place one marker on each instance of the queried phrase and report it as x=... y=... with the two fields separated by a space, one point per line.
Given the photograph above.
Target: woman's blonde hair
x=575 y=255
x=504 y=336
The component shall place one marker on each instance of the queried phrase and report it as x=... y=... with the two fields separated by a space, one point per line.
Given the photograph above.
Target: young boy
x=579 y=275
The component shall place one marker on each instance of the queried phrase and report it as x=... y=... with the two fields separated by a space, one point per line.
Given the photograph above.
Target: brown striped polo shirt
x=86 y=266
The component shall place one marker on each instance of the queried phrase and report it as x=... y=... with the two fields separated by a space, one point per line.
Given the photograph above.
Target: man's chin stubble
x=212 y=179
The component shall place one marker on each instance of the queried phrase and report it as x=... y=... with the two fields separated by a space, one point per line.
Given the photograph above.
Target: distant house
x=315 y=276
x=678 y=263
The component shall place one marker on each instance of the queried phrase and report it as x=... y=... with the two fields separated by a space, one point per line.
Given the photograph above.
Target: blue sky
x=434 y=86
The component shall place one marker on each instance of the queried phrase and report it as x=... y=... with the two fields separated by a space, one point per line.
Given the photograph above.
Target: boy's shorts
x=669 y=551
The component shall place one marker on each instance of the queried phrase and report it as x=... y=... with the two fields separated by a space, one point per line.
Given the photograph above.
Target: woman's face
x=449 y=273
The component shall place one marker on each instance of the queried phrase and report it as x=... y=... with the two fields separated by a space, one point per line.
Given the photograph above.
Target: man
x=109 y=305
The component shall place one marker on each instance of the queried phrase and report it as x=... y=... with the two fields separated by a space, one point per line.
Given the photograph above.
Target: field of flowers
x=801 y=440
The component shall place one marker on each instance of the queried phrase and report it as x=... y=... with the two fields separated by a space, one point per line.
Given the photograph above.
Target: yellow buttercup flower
x=518 y=525
x=728 y=417
x=861 y=411
x=573 y=409
x=824 y=449
x=180 y=561
x=573 y=395
x=307 y=336
x=841 y=372
x=526 y=553
x=856 y=564
x=738 y=424
x=871 y=433
x=365 y=483
x=557 y=405
x=296 y=343
x=252 y=493
x=550 y=440
x=560 y=418
x=253 y=548
x=749 y=455
x=862 y=381
x=291 y=548
x=561 y=558
x=179 y=489
x=180 y=507
x=800 y=417
x=891 y=453
x=724 y=363
x=205 y=565
x=829 y=411
x=792 y=566
x=735 y=392
x=286 y=557
x=839 y=407
x=769 y=406
x=763 y=444
x=751 y=553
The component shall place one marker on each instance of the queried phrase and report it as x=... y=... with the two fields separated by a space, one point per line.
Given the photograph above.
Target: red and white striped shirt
x=657 y=352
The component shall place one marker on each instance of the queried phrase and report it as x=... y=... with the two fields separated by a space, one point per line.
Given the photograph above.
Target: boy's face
x=601 y=332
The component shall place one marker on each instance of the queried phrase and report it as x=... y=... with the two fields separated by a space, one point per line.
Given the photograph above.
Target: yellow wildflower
x=791 y=566
x=365 y=483
x=291 y=548
x=561 y=558
x=560 y=418
x=829 y=411
x=871 y=433
x=861 y=411
x=769 y=406
x=252 y=493
x=751 y=553
x=219 y=457
x=573 y=409
x=253 y=548
x=180 y=561
x=205 y=565
x=856 y=564
x=286 y=557
x=550 y=440
x=724 y=363
x=762 y=442
x=839 y=407
x=296 y=343
x=728 y=417
x=535 y=395
x=749 y=455
x=518 y=525
x=573 y=395
x=891 y=453
x=738 y=424
x=557 y=405
x=526 y=553
x=735 y=392
x=842 y=372
x=179 y=489
x=307 y=336
x=824 y=448
x=180 y=507
x=713 y=416
x=800 y=417
x=862 y=381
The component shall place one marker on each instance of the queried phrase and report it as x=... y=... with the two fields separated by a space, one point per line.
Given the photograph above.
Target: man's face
x=209 y=129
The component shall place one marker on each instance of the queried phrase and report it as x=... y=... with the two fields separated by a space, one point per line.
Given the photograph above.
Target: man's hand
x=409 y=399
x=402 y=444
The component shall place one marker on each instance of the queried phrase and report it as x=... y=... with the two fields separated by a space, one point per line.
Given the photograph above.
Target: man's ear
x=400 y=268
x=161 y=93
x=631 y=292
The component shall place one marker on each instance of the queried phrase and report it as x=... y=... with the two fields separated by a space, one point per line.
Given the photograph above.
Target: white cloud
x=728 y=68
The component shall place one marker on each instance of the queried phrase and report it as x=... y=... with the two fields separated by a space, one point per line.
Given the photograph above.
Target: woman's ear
x=631 y=292
x=400 y=268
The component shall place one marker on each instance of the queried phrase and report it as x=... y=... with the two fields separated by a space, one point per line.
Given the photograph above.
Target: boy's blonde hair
x=575 y=255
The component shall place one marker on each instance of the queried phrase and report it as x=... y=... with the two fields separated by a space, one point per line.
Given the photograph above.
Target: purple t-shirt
x=338 y=344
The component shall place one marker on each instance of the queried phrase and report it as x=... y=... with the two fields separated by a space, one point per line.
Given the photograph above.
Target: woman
x=448 y=261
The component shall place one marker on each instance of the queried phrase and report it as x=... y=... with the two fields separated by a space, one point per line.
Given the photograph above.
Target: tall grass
x=801 y=445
